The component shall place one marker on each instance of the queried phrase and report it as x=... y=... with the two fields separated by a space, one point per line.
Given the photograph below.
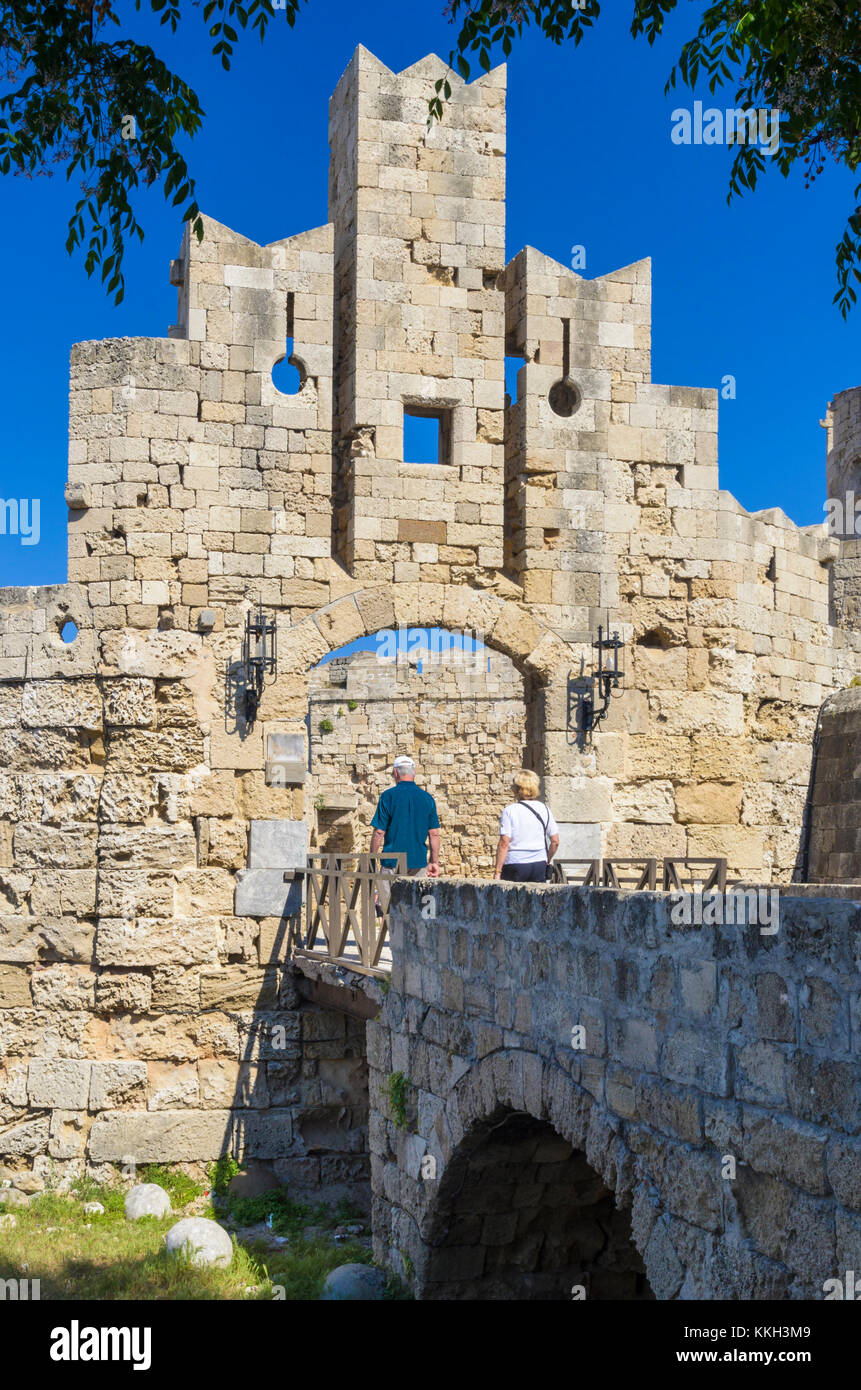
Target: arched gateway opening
x=521 y=1215
x=462 y=710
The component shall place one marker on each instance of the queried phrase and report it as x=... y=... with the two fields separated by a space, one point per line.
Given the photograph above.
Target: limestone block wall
x=560 y=439
x=192 y=480
x=35 y=627
x=465 y=727
x=843 y=472
x=140 y=1019
x=614 y=509
x=727 y=673
x=843 y=425
x=419 y=242
x=690 y=1046
x=834 y=831
x=196 y=487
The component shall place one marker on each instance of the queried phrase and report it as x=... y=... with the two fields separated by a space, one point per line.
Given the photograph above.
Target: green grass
x=111 y=1197
x=396 y=1089
x=180 y=1188
x=76 y=1255
x=288 y=1217
x=220 y=1173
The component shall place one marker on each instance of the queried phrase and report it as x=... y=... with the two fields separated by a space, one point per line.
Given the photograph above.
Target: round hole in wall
x=69 y=631
x=564 y=397
x=288 y=373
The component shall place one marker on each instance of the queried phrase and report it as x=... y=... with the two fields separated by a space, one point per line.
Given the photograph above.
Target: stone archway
x=521 y=1214
x=503 y=624
x=538 y=656
x=462 y=716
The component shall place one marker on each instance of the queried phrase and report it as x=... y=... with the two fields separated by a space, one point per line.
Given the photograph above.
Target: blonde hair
x=526 y=785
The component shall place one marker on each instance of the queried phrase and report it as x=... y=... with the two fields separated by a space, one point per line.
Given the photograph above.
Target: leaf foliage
x=107 y=110
x=801 y=57
x=74 y=89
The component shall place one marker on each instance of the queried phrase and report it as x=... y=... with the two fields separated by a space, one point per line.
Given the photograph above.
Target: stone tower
x=197 y=489
x=419 y=233
x=144 y=833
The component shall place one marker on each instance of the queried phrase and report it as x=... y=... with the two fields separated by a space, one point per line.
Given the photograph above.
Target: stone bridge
x=571 y=1096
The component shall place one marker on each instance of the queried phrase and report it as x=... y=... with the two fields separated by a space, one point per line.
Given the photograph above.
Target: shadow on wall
x=300 y=1103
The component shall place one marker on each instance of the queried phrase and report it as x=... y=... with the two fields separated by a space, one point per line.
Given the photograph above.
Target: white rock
x=94 y=1208
x=352 y=1283
x=146 y=1199
x=202 y=1241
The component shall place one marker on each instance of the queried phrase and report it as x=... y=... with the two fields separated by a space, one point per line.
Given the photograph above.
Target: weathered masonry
x=596 y=1098
x=146 y=1009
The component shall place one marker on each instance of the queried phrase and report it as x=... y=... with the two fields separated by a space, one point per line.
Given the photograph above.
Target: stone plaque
x=263 y=893
x=278 y=844
x=285 y=760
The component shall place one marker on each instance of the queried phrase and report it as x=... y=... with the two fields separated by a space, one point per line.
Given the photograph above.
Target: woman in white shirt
x=527 y=825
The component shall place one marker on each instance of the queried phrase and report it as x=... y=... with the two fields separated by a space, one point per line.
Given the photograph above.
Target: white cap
x=404 y=764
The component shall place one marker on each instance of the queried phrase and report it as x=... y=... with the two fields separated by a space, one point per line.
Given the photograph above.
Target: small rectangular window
x=427 y=434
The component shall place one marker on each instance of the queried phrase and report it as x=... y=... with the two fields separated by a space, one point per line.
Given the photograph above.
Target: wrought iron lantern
x=593 y=692
x=259 y=660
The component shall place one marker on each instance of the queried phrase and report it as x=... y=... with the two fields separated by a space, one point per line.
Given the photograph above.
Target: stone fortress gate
x=149 y=1006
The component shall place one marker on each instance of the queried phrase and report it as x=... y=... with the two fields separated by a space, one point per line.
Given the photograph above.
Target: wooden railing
x=347 y=905
x=678 y=874
x=345 y=916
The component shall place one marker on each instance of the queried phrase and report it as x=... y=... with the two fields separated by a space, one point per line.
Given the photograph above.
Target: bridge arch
x=522 y=1214
x=533 y=1195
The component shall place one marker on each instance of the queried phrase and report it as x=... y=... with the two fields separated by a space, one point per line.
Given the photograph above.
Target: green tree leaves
x=74 y=87
x=802 y=57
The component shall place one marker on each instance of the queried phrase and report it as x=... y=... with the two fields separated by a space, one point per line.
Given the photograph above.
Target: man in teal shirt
x=406 y=820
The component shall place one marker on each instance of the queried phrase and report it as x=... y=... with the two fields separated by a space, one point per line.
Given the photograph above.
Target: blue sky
x=438 y=642
x=743 y=290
